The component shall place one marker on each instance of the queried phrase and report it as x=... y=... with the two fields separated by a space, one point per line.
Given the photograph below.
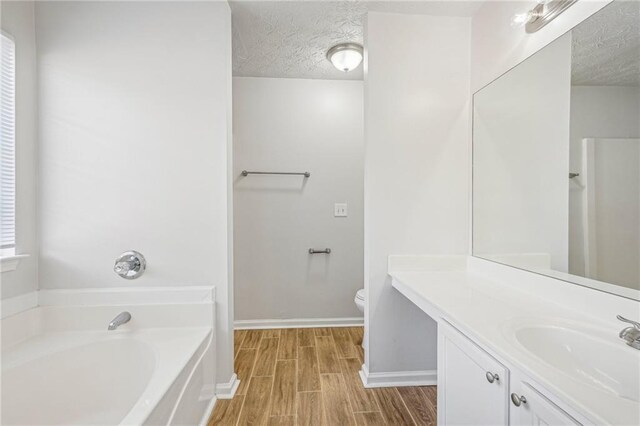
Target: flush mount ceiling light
x=345 y=56
x=544 y=12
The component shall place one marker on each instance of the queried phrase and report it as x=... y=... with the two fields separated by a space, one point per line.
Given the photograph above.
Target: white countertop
x=488 y=312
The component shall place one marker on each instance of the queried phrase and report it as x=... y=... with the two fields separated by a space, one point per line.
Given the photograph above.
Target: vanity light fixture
x=543 y=13
x=345 y=56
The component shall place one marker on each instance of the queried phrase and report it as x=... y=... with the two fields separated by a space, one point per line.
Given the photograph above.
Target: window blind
x=7 y=143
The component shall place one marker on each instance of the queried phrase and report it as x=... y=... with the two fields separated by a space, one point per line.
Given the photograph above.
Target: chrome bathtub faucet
x=121 y=318
x=631 y=335
x=130 y=265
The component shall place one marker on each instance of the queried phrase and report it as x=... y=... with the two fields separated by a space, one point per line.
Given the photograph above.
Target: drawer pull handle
x=518 y=400
x=491 y=377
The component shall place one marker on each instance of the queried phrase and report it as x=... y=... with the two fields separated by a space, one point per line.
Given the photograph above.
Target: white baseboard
x=398 y=378
x=227 y=390
x=207 y=413
x=298 y=323
x=17 y=304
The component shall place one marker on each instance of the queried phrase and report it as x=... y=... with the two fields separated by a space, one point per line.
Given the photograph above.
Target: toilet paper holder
x=325 y=251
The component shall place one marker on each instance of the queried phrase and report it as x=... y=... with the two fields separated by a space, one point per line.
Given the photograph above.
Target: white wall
x=416 y=171
x=18 y=21
x=297 y=125
x=596 y=112
x=134 y=115
x=521 y=158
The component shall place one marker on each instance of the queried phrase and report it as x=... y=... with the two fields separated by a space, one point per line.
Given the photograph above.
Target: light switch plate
x=340 y=210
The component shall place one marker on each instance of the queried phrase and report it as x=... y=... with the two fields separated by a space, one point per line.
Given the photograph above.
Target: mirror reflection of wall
x=604 y=199
x=556 y=167
x=520 y=162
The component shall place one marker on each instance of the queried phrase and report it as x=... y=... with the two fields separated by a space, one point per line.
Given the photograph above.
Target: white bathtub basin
x=96 y=377
x=97 y=383
x=585 y=356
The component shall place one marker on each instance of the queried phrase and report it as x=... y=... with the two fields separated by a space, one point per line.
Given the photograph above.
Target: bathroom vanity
x=508 y=355
x=527 y=327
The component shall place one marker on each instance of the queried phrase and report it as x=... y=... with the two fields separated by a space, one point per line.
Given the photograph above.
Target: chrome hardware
x=492 y=377
x=130 y=265
x=121 y=318
x=305 y=174
x=628 y=321
x=518 y=400
x=631 y=335
x=325 y=251
x=545 y=12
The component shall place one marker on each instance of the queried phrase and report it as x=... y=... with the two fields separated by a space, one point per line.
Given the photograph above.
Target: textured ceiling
x=606 y=47
x=290 y=38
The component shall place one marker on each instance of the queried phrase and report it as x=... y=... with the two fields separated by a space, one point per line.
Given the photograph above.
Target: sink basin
x=587 y=357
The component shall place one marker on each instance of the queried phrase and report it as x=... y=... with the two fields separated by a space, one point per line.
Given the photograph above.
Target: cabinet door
x=537 y=410
x=473 y=388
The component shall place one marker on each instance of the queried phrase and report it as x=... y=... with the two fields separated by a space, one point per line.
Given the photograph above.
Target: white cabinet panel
x=537 y=410
x=473 y=388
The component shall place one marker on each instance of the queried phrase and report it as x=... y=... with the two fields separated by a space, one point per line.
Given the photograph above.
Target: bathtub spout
x=121 y=318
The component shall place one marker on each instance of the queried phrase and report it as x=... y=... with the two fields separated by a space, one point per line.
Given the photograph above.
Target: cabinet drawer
x=473 y=387
x=538 y=410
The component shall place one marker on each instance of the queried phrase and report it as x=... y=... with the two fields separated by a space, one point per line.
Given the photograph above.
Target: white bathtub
x=55 y=373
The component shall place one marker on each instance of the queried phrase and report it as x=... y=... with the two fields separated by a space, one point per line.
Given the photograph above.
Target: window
x=7 y=146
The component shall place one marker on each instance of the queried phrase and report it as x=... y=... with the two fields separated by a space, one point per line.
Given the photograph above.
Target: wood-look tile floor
x=309 y=376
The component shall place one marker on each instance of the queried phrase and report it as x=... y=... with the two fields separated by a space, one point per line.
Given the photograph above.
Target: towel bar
x=305 y=174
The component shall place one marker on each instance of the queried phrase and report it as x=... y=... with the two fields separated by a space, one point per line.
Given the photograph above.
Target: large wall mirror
x=556 y=157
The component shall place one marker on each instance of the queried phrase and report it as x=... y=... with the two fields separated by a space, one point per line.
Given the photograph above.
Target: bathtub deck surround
x=310 y=376
x=61 y=357
x=535 y=336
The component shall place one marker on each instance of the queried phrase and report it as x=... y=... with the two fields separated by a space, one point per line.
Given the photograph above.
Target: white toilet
x=359 y=299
